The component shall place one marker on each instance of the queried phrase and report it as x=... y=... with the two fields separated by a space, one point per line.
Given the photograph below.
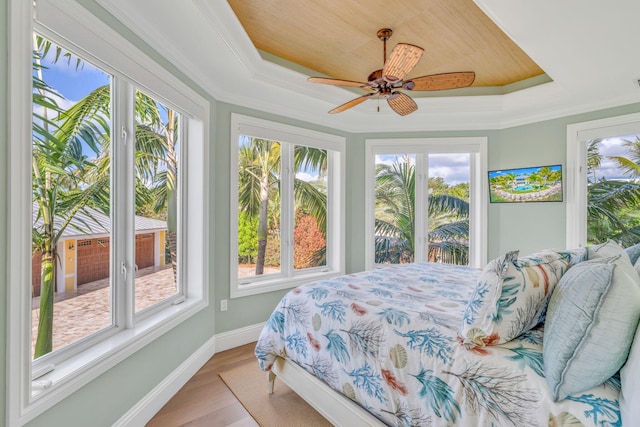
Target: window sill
x=279 y=282
x=75 y=372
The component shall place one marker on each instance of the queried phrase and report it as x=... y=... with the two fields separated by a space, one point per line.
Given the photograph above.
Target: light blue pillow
x=591 y=321
x=633 y=252
x=630 y=392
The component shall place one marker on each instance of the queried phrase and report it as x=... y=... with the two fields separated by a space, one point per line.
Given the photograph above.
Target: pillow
x=591 y=319
x=575 y=256
x=630 y=392
x=633 y=252
x=611 y=248
x=606 y=249
x=510 y=297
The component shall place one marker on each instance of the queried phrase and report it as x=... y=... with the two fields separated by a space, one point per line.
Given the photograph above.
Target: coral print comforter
x=387 y=339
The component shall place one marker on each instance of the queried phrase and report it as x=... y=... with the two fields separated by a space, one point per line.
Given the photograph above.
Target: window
x=287 y=205
x=426 y=201
x=602 y=181
x=109 y=246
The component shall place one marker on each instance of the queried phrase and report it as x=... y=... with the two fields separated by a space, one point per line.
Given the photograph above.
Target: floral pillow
x=511 y=297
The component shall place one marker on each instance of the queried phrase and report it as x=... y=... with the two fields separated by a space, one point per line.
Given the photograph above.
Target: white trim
x=576 y=173
x=478 y=149
x=238 y=337
x=289 y=135
x=142 y=412
x=19 y=201
x=76 y=366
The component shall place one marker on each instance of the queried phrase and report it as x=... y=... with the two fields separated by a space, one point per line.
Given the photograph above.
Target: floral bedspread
x=387 y=339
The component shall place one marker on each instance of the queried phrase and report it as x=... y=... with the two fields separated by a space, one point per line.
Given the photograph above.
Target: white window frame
x=286 y=134
x=478 y=189
x=70 y=24
x=577 y=136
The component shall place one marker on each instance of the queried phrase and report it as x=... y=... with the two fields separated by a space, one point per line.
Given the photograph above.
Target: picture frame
x=526 y=185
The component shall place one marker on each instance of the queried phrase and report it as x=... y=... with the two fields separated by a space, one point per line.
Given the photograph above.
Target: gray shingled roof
x=93 y=222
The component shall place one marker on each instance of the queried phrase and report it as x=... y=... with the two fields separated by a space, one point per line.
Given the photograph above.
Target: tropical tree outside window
x=287 y=217
x=425 y=201
x=603 y=186
x=447 y=205
x=613 y=204
x=71 y=189
x=157 y=160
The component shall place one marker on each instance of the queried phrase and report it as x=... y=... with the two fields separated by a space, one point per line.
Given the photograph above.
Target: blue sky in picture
x=521 y=171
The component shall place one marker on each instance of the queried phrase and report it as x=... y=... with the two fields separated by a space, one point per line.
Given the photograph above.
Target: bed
x=383 y=347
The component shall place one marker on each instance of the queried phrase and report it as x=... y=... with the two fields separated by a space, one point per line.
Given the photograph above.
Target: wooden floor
x=205 y=400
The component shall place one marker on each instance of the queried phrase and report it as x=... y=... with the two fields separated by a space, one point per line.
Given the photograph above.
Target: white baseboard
x=238 y=337
x=145 y=409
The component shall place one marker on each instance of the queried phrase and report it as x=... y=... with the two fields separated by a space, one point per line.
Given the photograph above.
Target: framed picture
x=534 y=184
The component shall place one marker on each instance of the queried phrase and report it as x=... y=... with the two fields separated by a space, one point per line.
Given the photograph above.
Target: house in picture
x=275 y=140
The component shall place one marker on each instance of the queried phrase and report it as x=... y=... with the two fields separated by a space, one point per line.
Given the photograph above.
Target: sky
x=612 y=147
x=454 y=168
x=73 y=84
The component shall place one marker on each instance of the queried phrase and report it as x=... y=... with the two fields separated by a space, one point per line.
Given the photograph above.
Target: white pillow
x=511 y=297
x=630 y=393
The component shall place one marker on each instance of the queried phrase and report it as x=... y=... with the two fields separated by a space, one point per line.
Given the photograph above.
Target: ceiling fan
x=387 y=82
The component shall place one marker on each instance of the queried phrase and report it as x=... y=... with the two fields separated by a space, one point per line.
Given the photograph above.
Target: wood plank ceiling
x=338 y=38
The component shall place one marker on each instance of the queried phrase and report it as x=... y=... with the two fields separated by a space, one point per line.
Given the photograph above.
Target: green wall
x=525 y=226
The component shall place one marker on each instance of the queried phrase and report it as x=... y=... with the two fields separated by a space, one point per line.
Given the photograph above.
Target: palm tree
x=259 y=184
x=545 y=174
x=594 y=158
x=395 y=213
x=59 y=192
x=395 y=219
x=630 y=165
x=609 y=202
x=510 y=178
x=259 y=169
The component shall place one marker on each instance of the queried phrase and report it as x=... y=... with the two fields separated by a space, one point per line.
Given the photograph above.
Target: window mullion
x=123 y=203
x=421 y=207
x=287 y=207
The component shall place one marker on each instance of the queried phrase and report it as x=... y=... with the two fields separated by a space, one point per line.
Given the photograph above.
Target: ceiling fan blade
x=401 y=61
x=402 y=104
x=336 y=82
x=441 y=81
x=351 y=103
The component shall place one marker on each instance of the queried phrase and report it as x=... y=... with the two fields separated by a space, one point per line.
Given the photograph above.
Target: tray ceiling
x=581 y=55
x=337 y=38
